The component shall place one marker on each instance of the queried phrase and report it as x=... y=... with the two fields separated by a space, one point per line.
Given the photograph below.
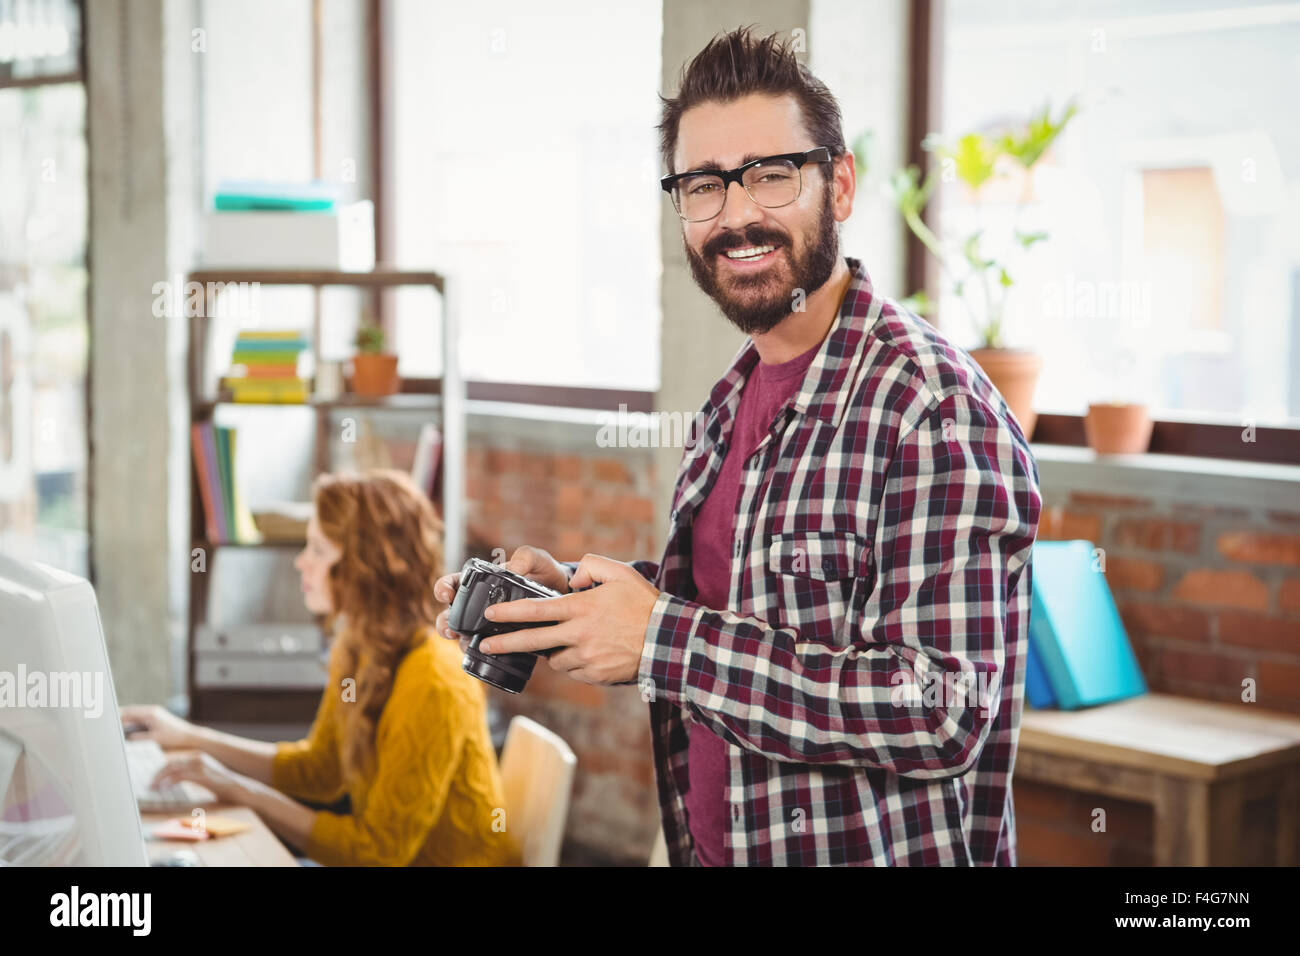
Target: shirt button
x=735 y=812
x=828 y=564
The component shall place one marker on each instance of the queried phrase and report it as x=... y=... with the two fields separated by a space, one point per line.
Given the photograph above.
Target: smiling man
x=833 y=643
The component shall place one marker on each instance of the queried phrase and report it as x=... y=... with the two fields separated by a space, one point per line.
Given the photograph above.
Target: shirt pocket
x=821 y=579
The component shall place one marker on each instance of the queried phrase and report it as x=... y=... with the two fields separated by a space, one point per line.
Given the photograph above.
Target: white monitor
x=65 y=795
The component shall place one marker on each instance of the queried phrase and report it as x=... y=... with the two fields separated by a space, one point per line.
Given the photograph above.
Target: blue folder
x=1077 y=640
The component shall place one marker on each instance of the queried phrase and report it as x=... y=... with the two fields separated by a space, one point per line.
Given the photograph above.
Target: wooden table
x=256 y=846
x=1198 y=763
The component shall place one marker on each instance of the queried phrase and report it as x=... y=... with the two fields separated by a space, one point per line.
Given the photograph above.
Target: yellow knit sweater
x=434 y=794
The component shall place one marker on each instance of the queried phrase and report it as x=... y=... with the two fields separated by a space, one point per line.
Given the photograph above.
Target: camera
x=483 y=584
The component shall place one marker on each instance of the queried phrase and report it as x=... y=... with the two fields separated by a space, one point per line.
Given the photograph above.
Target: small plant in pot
x=1122 y=425
x=980 y=277
x=374 y=371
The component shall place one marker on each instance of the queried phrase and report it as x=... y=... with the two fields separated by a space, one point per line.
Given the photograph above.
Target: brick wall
x=560 y=491
x=1207 y=582
x=1206 y=575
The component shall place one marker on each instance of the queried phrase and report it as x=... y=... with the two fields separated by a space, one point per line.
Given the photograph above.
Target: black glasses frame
x=818 y=154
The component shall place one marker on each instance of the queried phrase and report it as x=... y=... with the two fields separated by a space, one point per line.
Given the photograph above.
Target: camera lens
x=510 y=672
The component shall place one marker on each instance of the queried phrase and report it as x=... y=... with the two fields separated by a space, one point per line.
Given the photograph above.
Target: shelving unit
x=443 y=398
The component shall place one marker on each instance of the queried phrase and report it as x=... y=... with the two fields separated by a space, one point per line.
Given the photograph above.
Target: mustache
x=750 y=236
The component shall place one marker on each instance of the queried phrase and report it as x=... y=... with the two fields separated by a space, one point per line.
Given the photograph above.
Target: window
x=530 y=178
x=43 y=323
x=1171 y=270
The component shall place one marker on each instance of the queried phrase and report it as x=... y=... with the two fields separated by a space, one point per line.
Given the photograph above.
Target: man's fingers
x=532 y=639
x=597 y=569
x=444 y=589
x=527 y=610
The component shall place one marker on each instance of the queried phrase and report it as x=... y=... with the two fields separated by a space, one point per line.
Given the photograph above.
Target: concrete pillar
x=140 y=108
x=696 y=342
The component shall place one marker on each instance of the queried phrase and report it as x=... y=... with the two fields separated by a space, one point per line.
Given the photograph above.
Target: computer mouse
x=177 y=858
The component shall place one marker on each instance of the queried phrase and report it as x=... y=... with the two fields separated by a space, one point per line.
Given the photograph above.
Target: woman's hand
x=205 y=770
x=160 y=724
x=533 y=563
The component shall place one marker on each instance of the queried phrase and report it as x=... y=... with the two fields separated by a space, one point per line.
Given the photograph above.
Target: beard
x=758 y=303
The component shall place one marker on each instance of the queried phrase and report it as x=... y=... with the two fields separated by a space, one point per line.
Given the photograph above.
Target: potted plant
x=979 y=277
x=374 y=371
x=1122 y=425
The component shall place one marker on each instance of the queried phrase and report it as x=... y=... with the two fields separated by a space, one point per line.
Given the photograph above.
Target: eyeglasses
x=773 y=182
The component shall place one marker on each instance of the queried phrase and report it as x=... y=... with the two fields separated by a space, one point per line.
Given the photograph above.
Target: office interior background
x=510 y=147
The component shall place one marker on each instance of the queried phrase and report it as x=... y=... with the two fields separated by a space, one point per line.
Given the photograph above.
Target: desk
x=1198 y=763
x=256 y=846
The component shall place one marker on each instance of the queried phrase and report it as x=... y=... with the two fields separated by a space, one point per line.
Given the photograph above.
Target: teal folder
x=1075 y=629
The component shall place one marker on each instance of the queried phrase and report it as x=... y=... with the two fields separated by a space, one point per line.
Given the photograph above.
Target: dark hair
x=737 y=64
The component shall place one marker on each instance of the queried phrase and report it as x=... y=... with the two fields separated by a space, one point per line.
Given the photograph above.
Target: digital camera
x=483 y=584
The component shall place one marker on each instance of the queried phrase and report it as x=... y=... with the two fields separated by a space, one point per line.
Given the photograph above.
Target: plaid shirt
x=869 y=676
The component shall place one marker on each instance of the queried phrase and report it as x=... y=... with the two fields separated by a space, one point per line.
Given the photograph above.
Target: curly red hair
x=382 y=588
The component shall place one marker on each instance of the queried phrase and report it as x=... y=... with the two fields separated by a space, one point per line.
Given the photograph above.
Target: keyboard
x=144 y=758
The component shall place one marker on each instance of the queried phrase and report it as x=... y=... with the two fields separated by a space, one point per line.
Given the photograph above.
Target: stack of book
x=264 y=368
x=1079 y=653
x=227 y=519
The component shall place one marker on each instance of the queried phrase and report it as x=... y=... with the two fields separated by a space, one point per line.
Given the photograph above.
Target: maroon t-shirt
x=768 y=388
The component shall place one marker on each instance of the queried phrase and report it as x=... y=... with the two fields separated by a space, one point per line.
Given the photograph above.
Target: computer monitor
x=65 y=794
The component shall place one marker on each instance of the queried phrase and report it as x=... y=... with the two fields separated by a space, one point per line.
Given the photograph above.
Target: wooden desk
x=256 y=846
x=1197 y=763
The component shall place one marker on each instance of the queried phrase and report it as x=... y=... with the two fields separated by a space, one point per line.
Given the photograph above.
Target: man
x=833 y=644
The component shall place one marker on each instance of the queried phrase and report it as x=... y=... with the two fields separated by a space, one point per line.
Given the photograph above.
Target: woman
x=401 y=729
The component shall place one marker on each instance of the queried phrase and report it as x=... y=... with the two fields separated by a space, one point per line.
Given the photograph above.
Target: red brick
x=567 y=467
x=637 y=508
x=1058 y=524
x=1259 y=630
x=570 y=502
x=1214 y=670
x=639 y=768
x=1261 y=547
x=571 y=544
x=1162 y=620
x=1288 y=596
x=1214 y=588
x=1087 y=499
x=1158 y=534
x=611 y=469
x=1134 y=573
x=552 y=685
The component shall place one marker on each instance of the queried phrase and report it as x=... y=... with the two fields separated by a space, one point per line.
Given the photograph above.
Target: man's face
x=757 y=294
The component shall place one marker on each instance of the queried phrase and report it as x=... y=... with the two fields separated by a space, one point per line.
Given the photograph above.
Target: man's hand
x=533 y=563
x=600 y=632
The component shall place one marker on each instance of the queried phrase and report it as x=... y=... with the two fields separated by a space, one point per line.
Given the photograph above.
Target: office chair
x=537 y=775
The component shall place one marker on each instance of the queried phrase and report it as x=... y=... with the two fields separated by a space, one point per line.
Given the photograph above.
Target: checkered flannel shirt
x=868 y=675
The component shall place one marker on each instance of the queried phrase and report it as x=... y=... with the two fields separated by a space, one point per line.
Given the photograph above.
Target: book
x=1075 y=629
x=278 y=356
x=263 y=345
x=313 y=196
x=224 y=471
x=245 y=529
x=426 y=467
x=214 y=483
x=206 y=492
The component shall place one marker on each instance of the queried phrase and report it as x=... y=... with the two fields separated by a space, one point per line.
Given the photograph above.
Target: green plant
x=370 y=338
x=974 y=159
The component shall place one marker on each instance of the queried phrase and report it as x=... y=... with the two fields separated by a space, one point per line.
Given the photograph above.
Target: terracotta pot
x=1118 y=429
x=1014 y=373
x=375 y=375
